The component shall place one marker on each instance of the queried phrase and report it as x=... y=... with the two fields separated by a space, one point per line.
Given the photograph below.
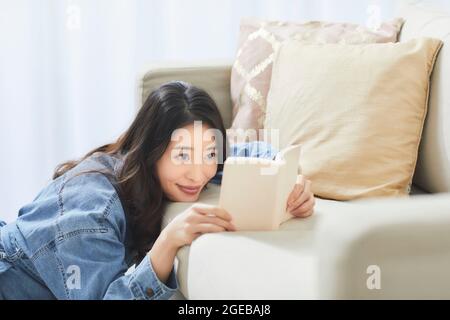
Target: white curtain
x=68 y=68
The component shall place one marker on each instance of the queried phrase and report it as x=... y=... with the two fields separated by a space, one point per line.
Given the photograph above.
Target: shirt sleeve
x=142 y=284
x=254 y=149
x=89 y=263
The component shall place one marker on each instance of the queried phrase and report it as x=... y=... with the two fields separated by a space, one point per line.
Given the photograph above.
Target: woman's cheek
x=211 y=171
x=170 y=171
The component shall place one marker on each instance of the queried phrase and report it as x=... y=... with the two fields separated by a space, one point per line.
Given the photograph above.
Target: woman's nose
x=195 y=173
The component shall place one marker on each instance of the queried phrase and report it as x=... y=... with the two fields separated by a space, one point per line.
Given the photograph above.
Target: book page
x=254 y=190
x=286 y=180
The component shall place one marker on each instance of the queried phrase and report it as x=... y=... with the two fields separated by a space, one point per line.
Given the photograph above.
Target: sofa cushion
x=281 y=264
x=433 y=164
x=259 y=39
x=357 y=110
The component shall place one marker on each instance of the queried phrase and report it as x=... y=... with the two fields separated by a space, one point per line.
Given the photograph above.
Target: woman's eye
x=183 y=156
x=212 y=155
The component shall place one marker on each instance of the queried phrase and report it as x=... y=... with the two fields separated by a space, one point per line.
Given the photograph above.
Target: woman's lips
x=189 y=190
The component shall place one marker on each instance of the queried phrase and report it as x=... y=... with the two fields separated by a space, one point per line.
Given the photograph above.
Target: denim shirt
x=72 y=241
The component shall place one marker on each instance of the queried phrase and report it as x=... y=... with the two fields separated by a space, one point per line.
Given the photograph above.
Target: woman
x=103 y=213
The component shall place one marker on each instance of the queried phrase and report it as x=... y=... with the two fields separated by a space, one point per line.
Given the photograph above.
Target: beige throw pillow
x=358 y=111
x=259 y=39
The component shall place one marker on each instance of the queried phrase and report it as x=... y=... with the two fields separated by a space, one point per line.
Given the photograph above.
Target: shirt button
x=149 y=292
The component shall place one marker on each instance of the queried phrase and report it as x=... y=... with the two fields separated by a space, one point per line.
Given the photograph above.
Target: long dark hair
x=171 y=106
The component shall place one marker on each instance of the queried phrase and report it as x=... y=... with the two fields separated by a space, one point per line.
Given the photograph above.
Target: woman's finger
x=213 y=210
x=306 y=214
x=304 y=208
x=207 y=228
x=215 y=220
x=195 y=236
x=303 y=197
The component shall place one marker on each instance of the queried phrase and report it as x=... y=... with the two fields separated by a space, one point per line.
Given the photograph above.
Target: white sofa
x=373 y=248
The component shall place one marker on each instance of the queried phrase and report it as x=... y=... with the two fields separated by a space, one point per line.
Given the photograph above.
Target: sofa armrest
x=213 y=76
x=387 y=248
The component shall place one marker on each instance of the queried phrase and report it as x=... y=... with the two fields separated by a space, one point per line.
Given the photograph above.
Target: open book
x=255 y=190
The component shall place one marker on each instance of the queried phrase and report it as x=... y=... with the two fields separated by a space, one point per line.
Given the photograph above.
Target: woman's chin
x=187 y=199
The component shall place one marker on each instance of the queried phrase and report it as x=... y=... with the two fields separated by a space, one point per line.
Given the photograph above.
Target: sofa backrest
x=433 y=164
x=212 y=76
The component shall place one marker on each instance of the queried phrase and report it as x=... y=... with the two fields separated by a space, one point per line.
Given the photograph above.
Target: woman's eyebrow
x=190 y=148
x=182 y=148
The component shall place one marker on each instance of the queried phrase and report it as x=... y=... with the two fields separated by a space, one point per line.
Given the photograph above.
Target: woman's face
x=188 y=163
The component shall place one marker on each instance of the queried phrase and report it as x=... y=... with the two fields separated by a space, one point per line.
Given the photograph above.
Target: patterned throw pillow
x=258 y=41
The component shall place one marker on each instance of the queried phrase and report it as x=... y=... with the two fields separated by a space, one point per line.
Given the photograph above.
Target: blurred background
x=68 y=68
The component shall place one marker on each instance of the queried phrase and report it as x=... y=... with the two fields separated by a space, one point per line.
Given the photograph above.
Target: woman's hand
x=182 y=230
x=195 y=221
x=301 y=200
